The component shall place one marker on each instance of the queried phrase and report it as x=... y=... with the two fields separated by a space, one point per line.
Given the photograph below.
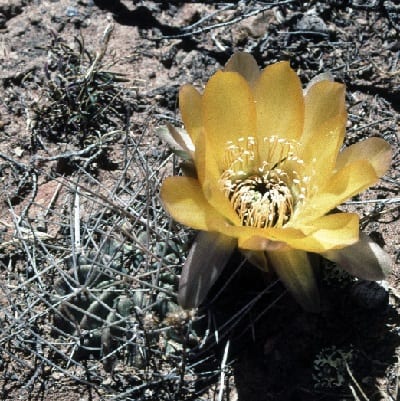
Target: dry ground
x=88 y=258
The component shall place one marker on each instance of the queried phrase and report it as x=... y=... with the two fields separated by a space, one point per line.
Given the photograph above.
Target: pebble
x=71 y=12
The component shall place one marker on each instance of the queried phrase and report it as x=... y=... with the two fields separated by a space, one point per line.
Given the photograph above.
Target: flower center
x=262 y=200
x=263 y=181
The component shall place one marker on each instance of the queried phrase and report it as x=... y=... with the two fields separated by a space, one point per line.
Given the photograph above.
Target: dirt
x=49 y=154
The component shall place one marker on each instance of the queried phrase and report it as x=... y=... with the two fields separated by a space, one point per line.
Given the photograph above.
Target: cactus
x=97 y=303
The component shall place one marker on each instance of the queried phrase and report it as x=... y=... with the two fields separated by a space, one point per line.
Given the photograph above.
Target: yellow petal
x=324 y=126
x=265 y=239
x=185 y=202
x=256 y=243
x=324 y=76
x=328 y=232
x=245 y=65
x=280 y=104
x=296 y=272
x=209 y=174
x=347 y=182
x=324 y=100
x=228 y=111
x=190 y=107
x=375 y=150
x=333 y=231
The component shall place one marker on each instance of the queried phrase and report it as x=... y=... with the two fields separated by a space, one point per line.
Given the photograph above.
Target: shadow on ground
x=279 y=352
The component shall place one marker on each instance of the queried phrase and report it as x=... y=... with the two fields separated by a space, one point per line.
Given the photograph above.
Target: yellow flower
x=270 y=174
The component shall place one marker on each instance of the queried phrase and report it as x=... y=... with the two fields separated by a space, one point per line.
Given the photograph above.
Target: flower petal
x=279 y=100
x=324 y=127
x=228 y=111
x=207 y=258
x=184 y=200
x=190 y=107
x=324 y=100
x=257 y=258
x=265 y=239
x=332 y=231
x=324 y=76
x=375 y=150
x=255 y=242
x=296 y=272
x=364 y=259
x=177 y=139
x=347 y=182
x=328 y=232
x=209 y=174
x=245 y=64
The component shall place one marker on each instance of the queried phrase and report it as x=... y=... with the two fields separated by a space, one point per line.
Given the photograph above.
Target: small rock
x=71 y=12
x=312 y=22
x=18 y=151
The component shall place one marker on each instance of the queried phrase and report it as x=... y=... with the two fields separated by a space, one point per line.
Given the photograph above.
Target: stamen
x=264 y=193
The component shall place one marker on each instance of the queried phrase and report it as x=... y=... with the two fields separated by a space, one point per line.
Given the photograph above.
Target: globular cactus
x=97 y=302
